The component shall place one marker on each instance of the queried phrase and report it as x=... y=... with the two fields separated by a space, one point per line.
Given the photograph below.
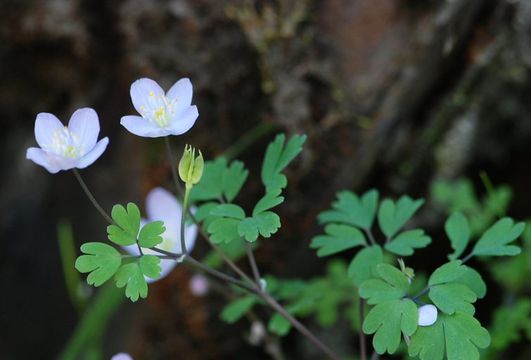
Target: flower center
x=66 y=143
x=159 y=109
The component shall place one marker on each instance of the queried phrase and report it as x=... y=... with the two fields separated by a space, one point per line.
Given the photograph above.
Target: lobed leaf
x=363 y=265
x=237 y=309
x=277 y=157
x=229 y=211
x=494 y=241
x=391 y=285
x=151 y=234
x=392 y=216
x=101 y=261
x=338 y=238
x=268 y=201
x=131 y=276
x=405 y=243
x=350 y=209
x=458 y=231
x=233 y=179
x=150 y=266
x=223 y=230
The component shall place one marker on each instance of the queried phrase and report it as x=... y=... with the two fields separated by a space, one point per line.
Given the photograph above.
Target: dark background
x=391 y=93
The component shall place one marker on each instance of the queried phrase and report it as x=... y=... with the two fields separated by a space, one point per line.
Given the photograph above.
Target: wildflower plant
x=430 y=317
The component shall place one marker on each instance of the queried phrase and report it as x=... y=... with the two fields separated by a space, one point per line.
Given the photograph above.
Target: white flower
x=122 y=356
x=64 y=148
x=199 y=285
x=161 y=205
x=427 y=315
x=161 y=114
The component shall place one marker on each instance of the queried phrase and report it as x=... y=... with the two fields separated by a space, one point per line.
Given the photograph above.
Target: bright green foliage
x=494 y=241
x=277 y=157
x=220 y=180
x=131 y=276
x=223 y=230
x=509 y=322
x=278 y=325
x=265 y=224
x=458 y=231
x=391 y=285
x=388 y=320
x=125 y=230
x=150 y=234
x=352 y=210
x=228 y=210
x=448 y=290
x=392 y=216
x=473 y=280
x=270 y=200
x=405 y=243
x=102 y=261
x=363 y=265
x=238 y=308
x=458 y=336
x=338 y=238
x=150 y=266
x=234 y=250
x=203 y=213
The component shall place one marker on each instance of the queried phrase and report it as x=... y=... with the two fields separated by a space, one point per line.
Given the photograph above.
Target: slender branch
x=91 y=197
x=361 y=335
x=252 y=262
x=466 y=258
x=370 y=236
x=183 y=220
x=422 y=292
x=173 y=167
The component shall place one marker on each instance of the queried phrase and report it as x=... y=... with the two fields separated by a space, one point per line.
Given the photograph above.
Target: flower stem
x=252 y=262
x=91 y=197
x=183 y=221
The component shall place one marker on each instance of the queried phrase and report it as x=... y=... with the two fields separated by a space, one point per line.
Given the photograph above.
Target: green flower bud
x=191 y=166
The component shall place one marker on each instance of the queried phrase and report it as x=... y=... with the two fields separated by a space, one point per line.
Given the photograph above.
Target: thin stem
x=183 y=220
x=466 y=258
x=91 y=197
x=247 y=140
x=370 y=236
x=252 y=262
x=363 y=345
x=422 y=292
x=173 y=167
x=298 y=325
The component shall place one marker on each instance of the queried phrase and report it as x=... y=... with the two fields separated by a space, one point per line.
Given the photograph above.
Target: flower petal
x=122 y=356
x=181 y=93
x=184 y=121
x=93 y=154
x=427 y=315
x=84 y=124
x=141 y=127
x=46 y=125
x=40 y=157
x=146 y=94
x=163 y=205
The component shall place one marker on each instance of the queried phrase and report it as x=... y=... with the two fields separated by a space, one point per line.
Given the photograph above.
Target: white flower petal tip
x=122 y=356
x=427 y=315
x=199 y=285
x=161 y=114
x=161 y=205
x=67 y=147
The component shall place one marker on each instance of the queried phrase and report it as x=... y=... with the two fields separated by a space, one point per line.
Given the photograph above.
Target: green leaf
x=150 y=266
x=449 y=290
x=268 y=223
x=233 y=179
x=228 y=210
x=391 y=285
x=510 y=321
x=277 y=157
x=494 y=241
x=279 y=325
x=234 y=250
x=125 y=230
x=458 y=232
x=350 y=209
x=387 y=321
x=458 y=336
x=248 y=228
x=393 y=216
x=131 y=276
x=405 y=243
x=270 y=200
x=210 y=187
x=223 y=230
x=338 y=238
x=102 y=261
x=473 y=280
x=237 y=309
x=203 y=213
x=150 y=234
x=363 y=265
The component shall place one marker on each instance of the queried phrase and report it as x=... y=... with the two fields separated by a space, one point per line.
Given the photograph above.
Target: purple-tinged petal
x=93 y=154
x=141 y=127
x=85 y=127
x=122 y=356
x=180 y=94
x=190 y=234
x=163 y=205
x=40 y=157
x=146 y=94
x=166 y=266
x=46 y=125
x=184 y=121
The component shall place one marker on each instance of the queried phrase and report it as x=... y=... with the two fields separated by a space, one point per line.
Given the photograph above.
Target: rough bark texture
x=392 y=93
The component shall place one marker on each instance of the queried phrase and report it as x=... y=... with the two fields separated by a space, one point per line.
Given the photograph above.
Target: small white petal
x=93 y=154
x=142 y=127
x=163 y=205
x=39 y=157
x=199 y=285
x=122 y=356
x=46 y=125
x=181 y=93
x=85 y=124
x=427 y=315
x=145 y=93
x=184 y=121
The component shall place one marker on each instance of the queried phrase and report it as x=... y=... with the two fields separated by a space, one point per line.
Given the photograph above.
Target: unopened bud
x=191 y=166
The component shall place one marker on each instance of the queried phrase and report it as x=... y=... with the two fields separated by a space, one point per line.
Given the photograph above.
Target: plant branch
x=91 y=197
x=252 y=262
x=370 y=236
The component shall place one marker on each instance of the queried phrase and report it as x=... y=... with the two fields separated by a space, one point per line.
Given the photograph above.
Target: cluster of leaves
x=452 y=288
x=324 y=298
x=227 y=223
x=513 y=317
x=103 y=261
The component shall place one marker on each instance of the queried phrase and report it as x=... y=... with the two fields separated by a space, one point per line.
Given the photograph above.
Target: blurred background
x=397 y=95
